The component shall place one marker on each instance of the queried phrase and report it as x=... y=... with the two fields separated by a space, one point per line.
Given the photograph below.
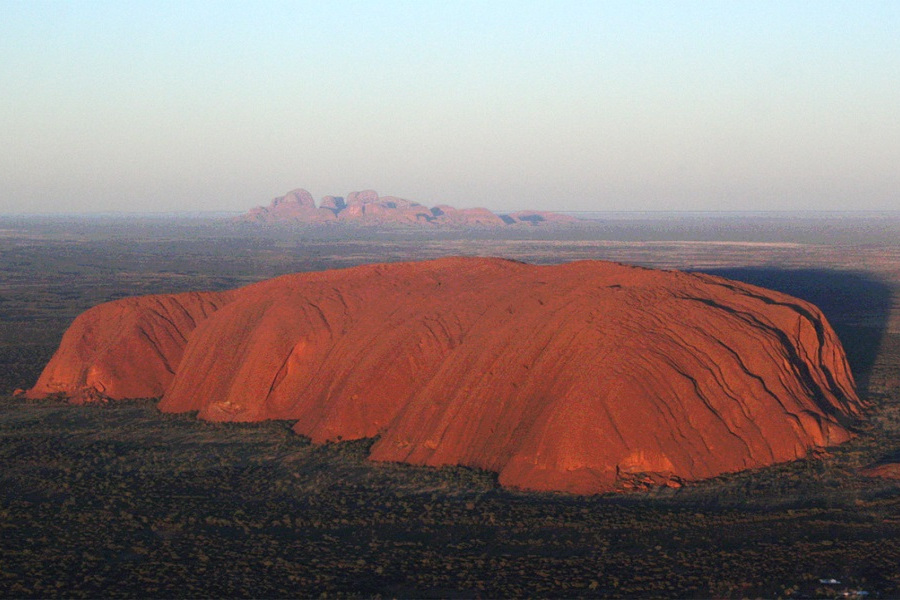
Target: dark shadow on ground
x=856 y=304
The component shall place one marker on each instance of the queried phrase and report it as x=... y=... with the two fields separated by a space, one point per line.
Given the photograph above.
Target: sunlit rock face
x=367 y=208
x=129 y=348
x=577 y=377
x=297 y=206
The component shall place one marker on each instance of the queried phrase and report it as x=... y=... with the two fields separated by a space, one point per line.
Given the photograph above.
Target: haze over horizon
x=573 y=106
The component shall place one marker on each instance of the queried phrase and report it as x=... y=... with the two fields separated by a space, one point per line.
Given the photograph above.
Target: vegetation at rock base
x=121 y=500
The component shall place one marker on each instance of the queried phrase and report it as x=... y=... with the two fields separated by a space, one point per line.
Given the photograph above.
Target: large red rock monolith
x=574 y=377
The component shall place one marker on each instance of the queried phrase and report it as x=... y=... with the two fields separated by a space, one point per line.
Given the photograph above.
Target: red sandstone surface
x=368 y=208
x=125 y=349
x=576 y=377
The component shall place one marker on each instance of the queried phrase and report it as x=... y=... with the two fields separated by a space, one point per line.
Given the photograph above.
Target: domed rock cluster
x=366 y=208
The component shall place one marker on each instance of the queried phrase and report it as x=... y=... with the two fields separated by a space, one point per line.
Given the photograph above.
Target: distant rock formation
x=583 y=377
x=367 y=208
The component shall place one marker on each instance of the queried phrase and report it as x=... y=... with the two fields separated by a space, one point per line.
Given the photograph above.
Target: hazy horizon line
x=664 y=211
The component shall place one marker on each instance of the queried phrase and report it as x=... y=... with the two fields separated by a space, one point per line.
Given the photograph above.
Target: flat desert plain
x=122 y=500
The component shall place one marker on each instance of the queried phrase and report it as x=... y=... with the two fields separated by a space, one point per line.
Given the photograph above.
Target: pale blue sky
x=160 y=106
